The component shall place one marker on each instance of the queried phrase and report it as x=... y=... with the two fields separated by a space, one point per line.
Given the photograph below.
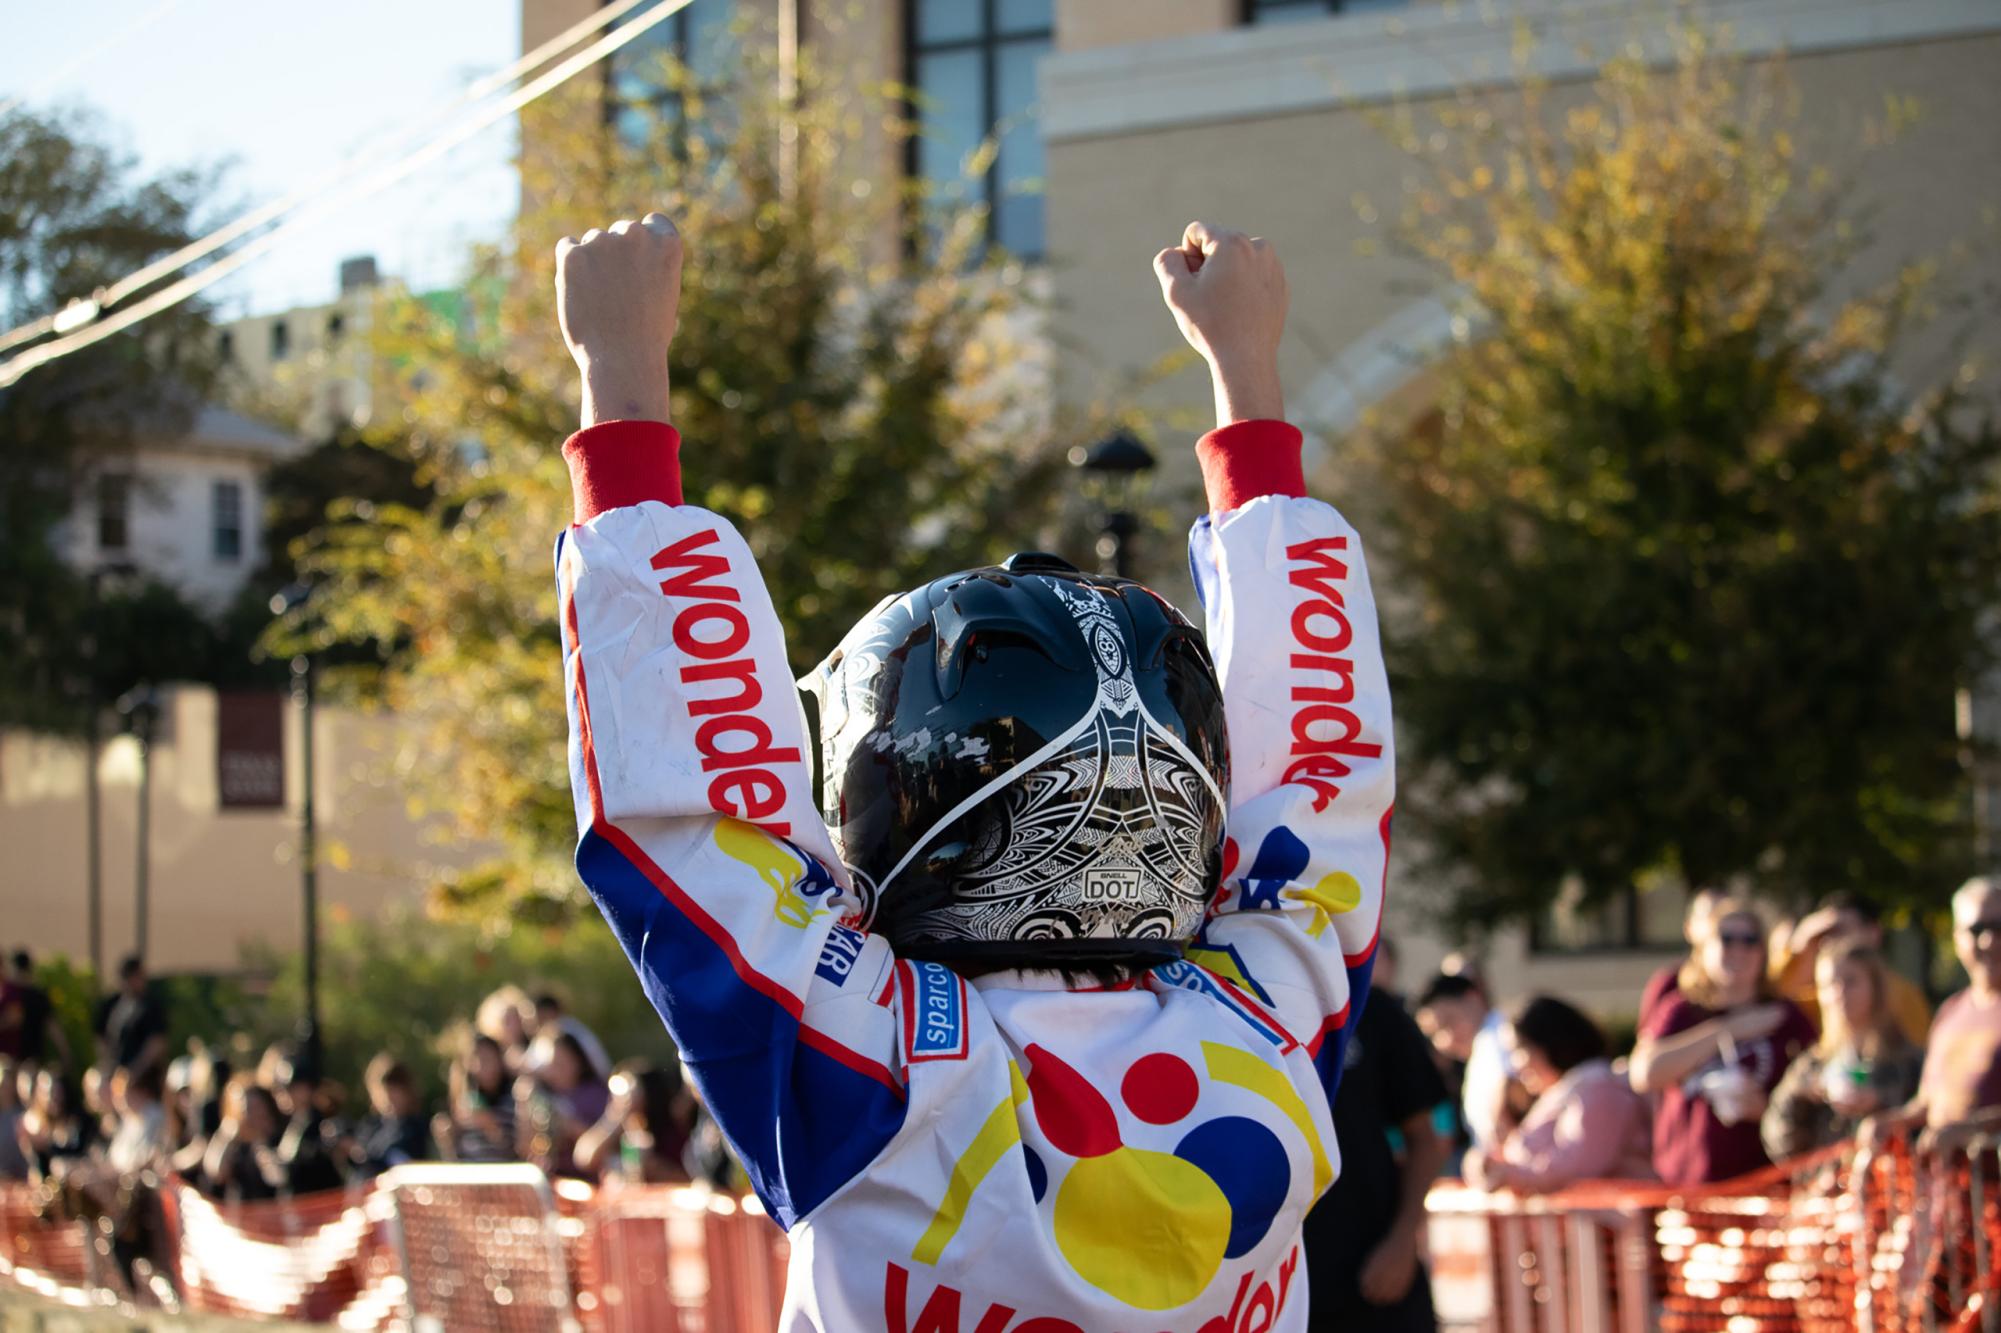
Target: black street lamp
x=284 y=602
x=140 y=707
x=1115 y=470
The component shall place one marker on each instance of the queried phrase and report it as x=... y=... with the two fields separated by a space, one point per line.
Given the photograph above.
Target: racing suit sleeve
x=699 y=839
x=1292 y=627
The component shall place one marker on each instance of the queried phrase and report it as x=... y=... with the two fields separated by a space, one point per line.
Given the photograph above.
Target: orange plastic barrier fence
x=1844 y=1239
x=424 y=1247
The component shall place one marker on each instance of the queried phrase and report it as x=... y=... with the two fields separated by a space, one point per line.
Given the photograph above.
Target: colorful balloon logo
x=1153 y=1228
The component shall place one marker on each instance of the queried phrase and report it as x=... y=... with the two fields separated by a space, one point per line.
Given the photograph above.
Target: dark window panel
x=1020 y=168
x=228 y=505
x=947 y=21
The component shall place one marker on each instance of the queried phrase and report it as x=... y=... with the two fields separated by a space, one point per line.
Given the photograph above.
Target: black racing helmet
x=1026 y=766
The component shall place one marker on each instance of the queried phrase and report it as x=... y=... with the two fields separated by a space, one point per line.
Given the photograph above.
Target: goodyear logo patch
x=934 y=1013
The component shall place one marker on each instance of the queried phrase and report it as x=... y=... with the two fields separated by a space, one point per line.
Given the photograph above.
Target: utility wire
x=81 y=313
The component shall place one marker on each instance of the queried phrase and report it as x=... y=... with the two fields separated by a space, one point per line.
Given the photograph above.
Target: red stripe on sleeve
x=619 y=463
x=1246 y=459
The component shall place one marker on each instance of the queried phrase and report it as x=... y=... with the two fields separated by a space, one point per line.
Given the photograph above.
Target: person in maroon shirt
x=1695 y=922
x=1959 y=1093
x=1714 y=1052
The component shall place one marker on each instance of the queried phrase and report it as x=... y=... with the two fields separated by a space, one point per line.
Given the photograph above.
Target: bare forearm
x=1247 y=392
x=625 y=392
x=1662 y=1062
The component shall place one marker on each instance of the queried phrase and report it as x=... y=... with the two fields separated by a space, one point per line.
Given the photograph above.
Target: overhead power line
x=84 y=322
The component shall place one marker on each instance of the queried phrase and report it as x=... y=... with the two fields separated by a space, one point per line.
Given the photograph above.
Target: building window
x=225 y=345
x=114 y=512
x=1293 y=11
x=281 y=340
x=642 y=95
x=336 y=325
x=972 y=67
x=227 y=506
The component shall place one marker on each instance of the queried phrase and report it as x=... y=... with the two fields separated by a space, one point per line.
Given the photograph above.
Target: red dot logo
x=1160 y=1088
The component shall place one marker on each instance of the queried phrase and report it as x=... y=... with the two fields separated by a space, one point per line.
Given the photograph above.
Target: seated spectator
x=478 y=1123
x=309 y=1144
x=1845 y=916
x=644 y=1134
x=1861 y=1065
x=551 y=1019
x=1959 y=1092
x=141 y=1136
x=1714 y=1052
x=52 y=1130
x=1587 y=1122
x=1696 y=920
x=566 y=1098
x=1466 y=1029
x=13 y=1109
x=241 y=1164
x=396 y=1131
x=508 y=1017
x=97 y=1107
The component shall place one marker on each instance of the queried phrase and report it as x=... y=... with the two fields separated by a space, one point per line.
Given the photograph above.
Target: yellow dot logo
x=1142 y=1226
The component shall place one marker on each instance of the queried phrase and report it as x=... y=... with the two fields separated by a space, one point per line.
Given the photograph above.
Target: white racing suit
x=1011 y=1154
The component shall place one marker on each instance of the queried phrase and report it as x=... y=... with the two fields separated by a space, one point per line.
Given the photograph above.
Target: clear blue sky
x=284 y=91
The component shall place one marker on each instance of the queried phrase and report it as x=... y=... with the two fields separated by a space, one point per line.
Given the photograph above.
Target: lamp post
x=140 y=707
x=1115 y=469
x=89 y=648
x=284 y=602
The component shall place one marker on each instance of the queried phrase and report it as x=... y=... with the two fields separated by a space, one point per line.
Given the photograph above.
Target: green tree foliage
x=75 y=215
x=1694 y=576
x=844 y=388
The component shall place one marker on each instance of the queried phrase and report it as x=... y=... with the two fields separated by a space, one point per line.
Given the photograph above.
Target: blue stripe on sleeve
x=803 y=1123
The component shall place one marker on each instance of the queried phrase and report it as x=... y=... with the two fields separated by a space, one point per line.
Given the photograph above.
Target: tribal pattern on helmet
x=1051 y=789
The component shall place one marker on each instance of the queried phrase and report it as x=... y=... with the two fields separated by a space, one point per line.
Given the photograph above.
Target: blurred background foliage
x=1683 y=579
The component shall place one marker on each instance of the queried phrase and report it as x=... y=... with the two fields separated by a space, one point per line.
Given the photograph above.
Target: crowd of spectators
x=1759 y=1046
x=529 y=1083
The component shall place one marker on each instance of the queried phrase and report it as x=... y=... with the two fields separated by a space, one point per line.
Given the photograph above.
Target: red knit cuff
x=1246 y=459
x=619 y=463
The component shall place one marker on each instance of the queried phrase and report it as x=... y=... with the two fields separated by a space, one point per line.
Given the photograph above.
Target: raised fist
x=618 y=294
x=1227 y=293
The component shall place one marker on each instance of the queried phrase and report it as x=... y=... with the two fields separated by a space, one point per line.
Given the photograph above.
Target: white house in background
x=185 y=506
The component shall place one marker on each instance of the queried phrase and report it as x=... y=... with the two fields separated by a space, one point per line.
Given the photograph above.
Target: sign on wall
x=250 y=749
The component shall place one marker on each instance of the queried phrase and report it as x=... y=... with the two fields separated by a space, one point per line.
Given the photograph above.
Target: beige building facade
x=219 y=879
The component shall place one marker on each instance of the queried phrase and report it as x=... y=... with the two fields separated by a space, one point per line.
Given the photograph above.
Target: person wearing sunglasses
x=1959 y=1093
x=1713 y=1053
